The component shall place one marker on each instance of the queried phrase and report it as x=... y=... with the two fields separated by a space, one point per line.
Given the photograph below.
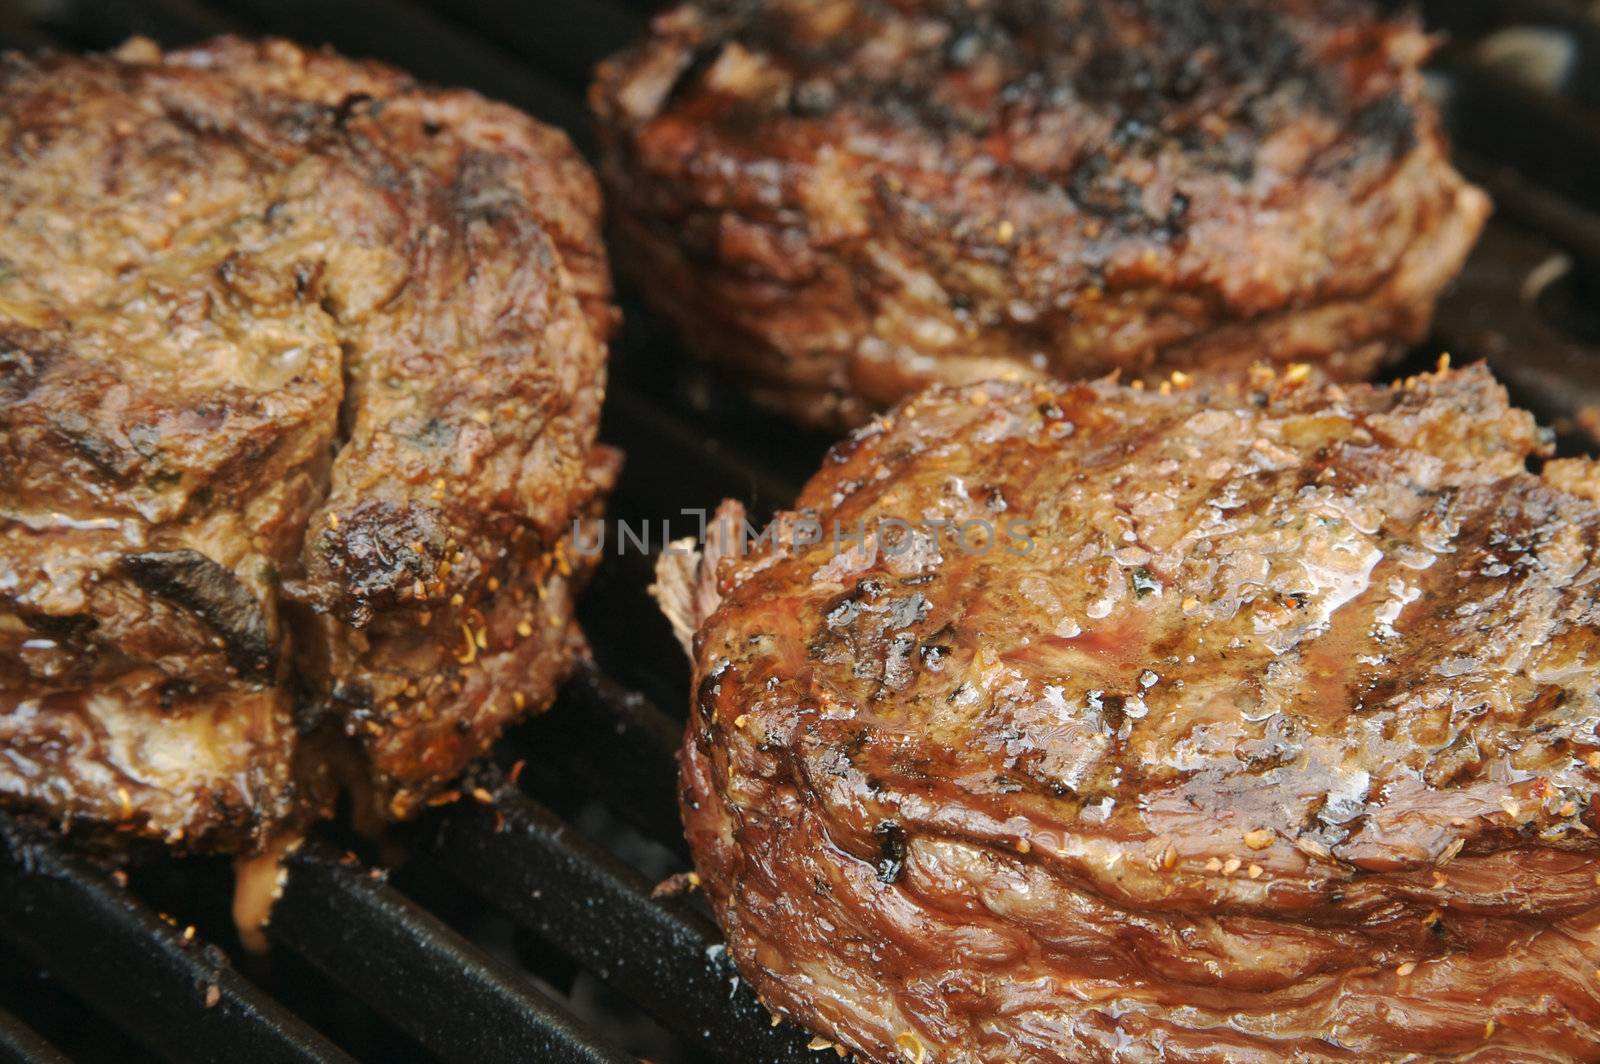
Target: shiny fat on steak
x=1278 y=744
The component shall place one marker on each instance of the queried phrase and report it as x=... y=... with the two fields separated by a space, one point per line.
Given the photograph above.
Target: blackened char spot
x=891 y=850
x=378 y=553
x=172 y=692
x=71 y=626
x=485 y=190
x=1389 y=125
x=698 y=62
x=213 y=593
x=348 y=106
x=79 y=434
x=25 y=354
x=1097 y=190
x=352 y=695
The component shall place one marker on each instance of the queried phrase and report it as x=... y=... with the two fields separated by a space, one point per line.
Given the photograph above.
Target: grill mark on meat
x=214 y=594
x=1391 y=123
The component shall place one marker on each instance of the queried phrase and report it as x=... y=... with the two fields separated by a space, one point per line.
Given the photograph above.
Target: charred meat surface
x=846 y=200
x=1263 y=728
x=300 y=369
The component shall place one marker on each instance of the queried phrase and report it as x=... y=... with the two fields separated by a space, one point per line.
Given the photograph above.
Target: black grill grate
x=20 y=1044
x=180 y=996
x=426 y=964
x=418 y=973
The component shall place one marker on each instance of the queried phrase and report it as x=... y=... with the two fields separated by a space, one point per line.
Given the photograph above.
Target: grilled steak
x=845 y=200
x=1261 y=727
x=300 y=367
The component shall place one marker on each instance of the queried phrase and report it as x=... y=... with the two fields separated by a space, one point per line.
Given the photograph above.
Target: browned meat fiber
x=300 y=367
x=845 y=200
x=1266 y=732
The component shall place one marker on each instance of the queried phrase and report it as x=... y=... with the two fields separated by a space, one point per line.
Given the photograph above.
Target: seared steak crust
x=1279 y=743
x=846 y=200
x=300 y=369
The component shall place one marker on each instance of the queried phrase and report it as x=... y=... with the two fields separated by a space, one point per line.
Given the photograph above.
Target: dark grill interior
x=520 y=923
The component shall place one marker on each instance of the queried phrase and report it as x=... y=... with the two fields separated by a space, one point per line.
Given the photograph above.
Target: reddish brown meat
x=300 y=368
x=846 y=200
x=1277 y=742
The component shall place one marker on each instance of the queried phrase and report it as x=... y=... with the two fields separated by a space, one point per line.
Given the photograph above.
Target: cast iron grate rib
x=418 y=973
x=396 y=955
x=21 y=1044
x=181 y=996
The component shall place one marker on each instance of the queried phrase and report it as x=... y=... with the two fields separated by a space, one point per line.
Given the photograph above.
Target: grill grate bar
x=107 y=25
x=565 y=37
x=424 y=45
x=661 y=953
x=628 y=634
x=705 y=461
x=20 y=1044
x=112 y=951
x=1537 y=209
x=1493 y=313
x=1497 y=117
x=15 y=38
x=461 y=1004
x=1576 y=74
x=596 y=727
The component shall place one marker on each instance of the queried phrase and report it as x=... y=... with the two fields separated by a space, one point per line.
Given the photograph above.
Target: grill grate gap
x=413 y=38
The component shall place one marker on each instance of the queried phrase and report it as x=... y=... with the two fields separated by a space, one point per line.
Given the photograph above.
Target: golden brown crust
x=1277 y=742
x=283 y=336
x=844 y=201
